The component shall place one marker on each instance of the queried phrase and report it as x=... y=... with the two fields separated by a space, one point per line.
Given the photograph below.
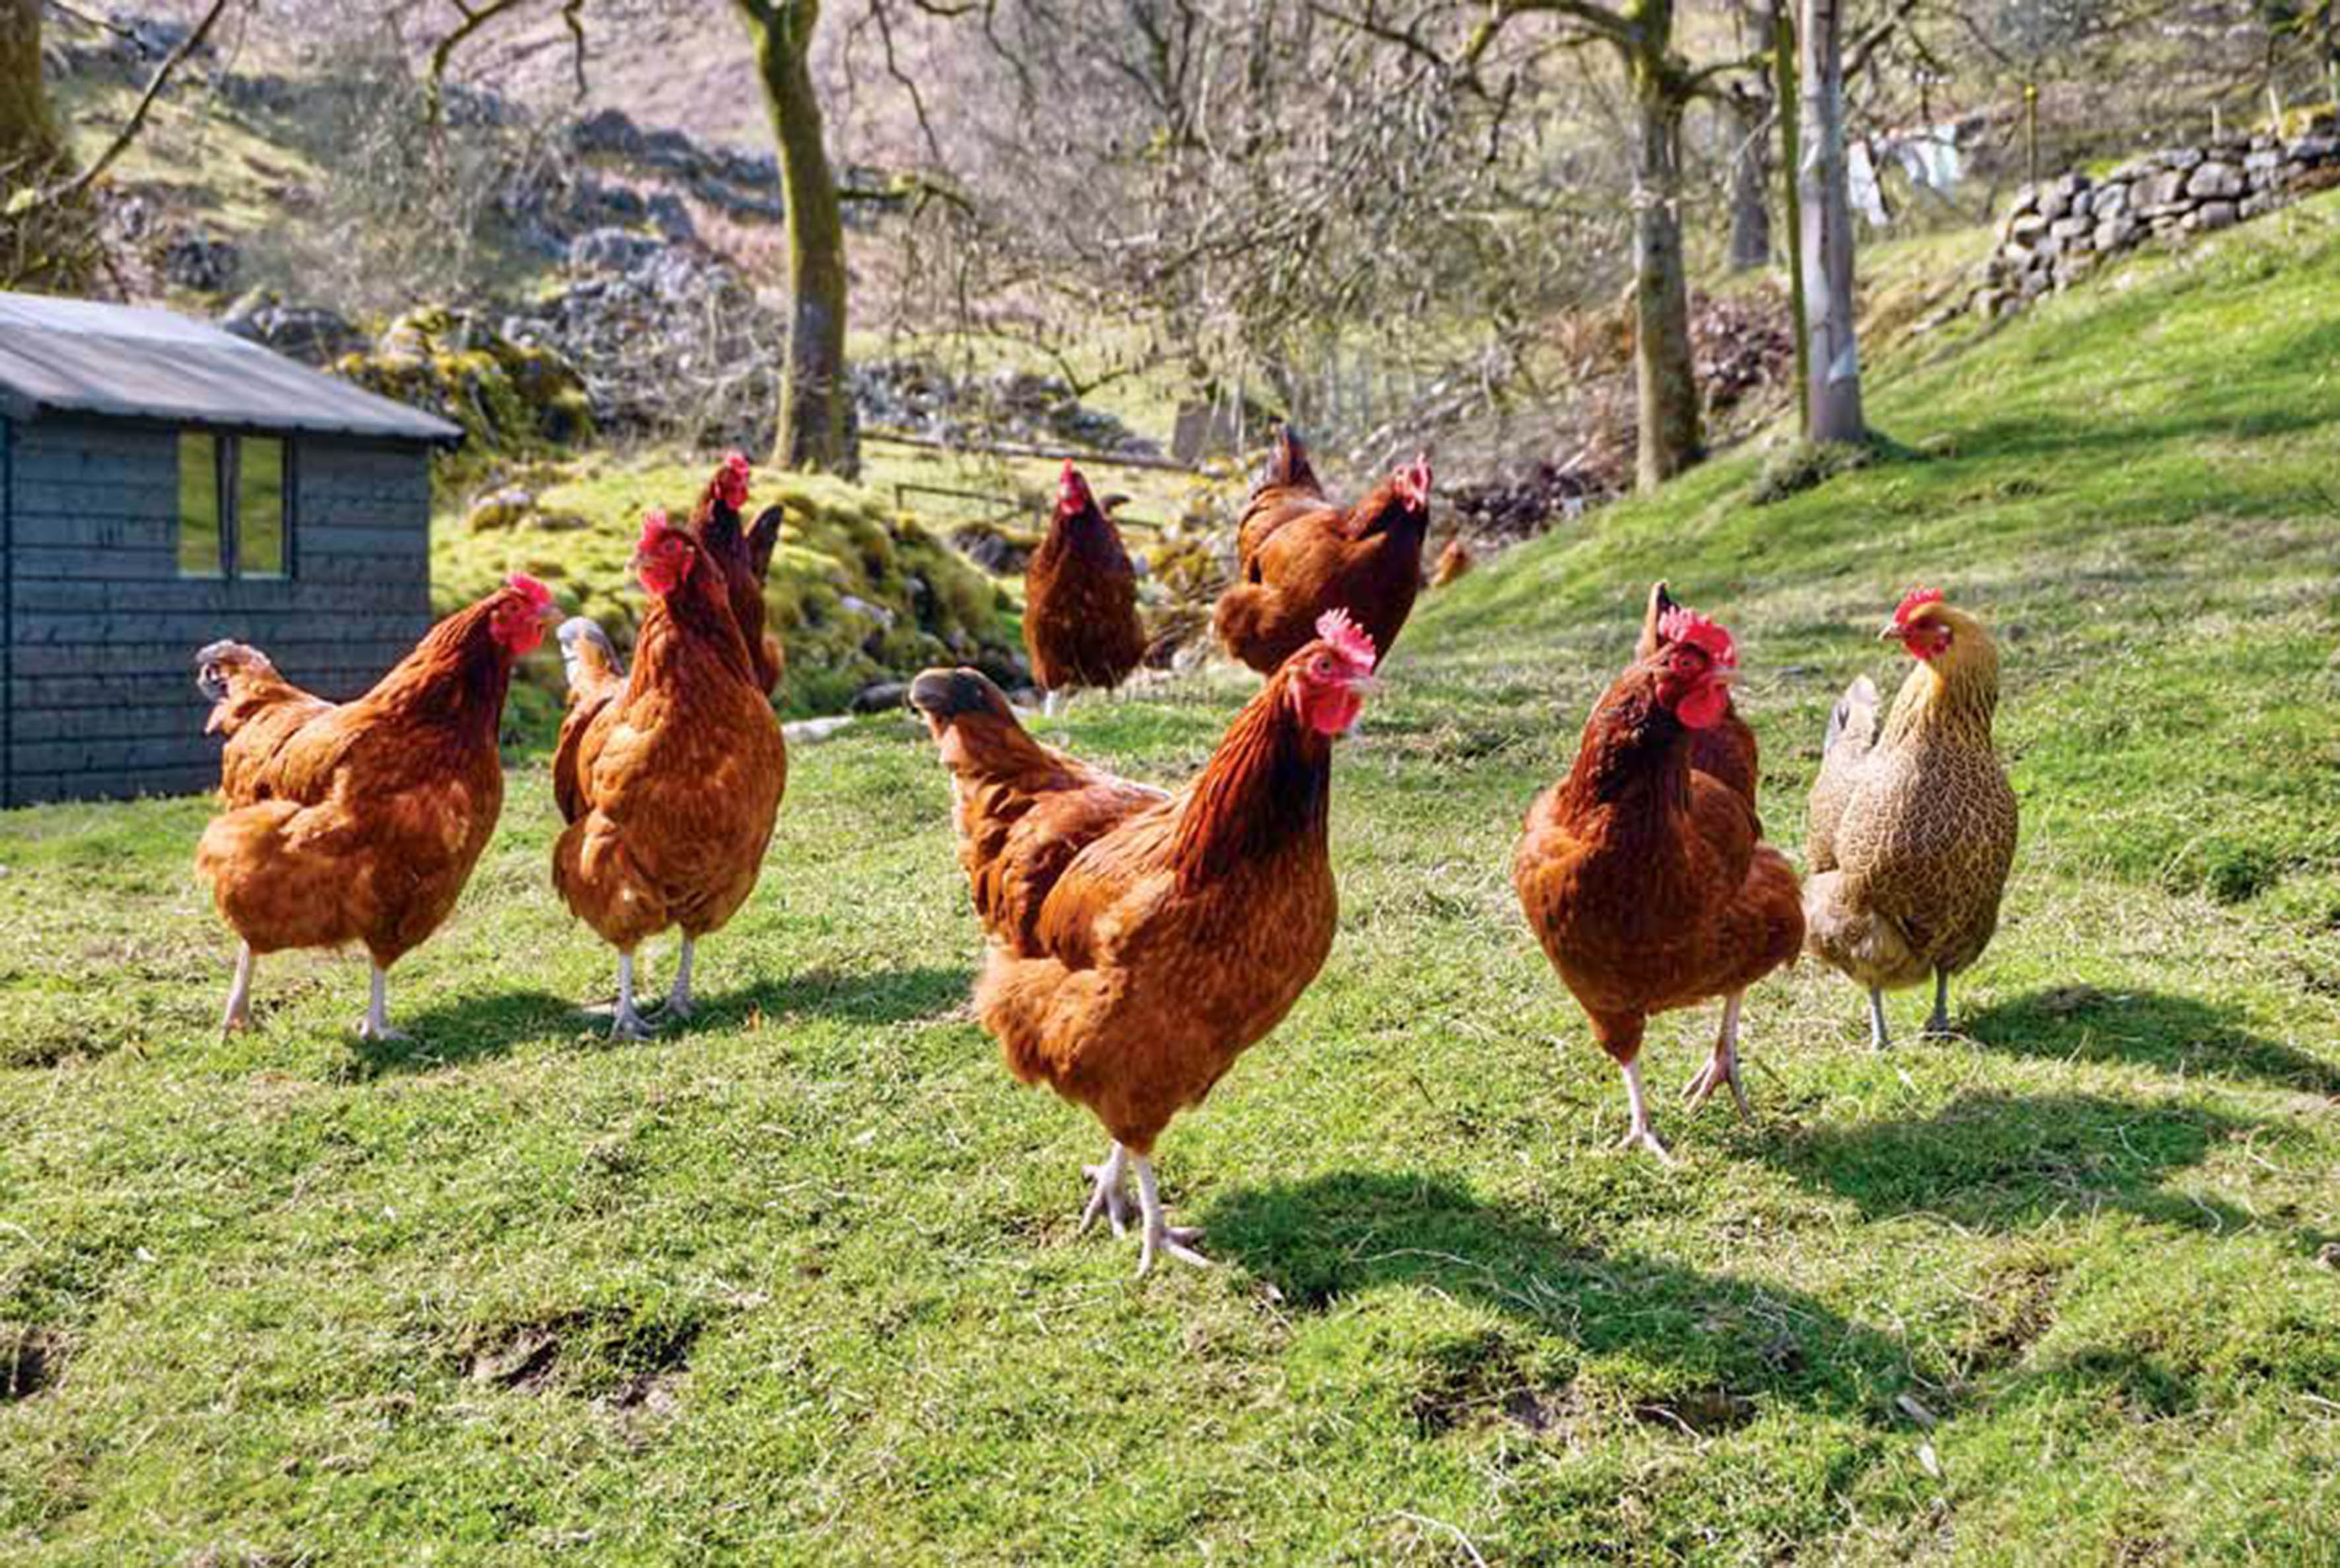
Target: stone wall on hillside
x=2059 y=231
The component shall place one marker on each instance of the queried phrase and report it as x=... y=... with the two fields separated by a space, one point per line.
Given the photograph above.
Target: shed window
x=234 y=512
x=202 y=544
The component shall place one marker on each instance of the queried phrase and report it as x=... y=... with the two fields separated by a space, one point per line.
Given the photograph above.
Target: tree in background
x=1750 y=103
x=36 y=249
x=30 y=145
x=816 y=429
x=1831 y=362
x=1640 y=33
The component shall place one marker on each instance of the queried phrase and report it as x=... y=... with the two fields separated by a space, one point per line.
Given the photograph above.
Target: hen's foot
x=1161 y=1236
x=1720 y=1069
x=1175 y=1240
x=1644 y=1139
x=1106 y=1194
x=626 y=1023
x=375 y=1025
x=678 y=1003
x=1879 y=1039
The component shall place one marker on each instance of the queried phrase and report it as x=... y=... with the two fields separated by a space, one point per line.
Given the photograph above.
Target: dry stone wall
x=2059 y=231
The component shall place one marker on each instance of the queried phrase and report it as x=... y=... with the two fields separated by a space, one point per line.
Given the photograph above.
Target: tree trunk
x=1833 y=368
x=1784 y=93
x=1750 y=181
x=816 y=429
x=30 y=150
x=1665 y=383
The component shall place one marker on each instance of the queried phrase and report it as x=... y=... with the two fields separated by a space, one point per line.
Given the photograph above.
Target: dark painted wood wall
x=103 y=631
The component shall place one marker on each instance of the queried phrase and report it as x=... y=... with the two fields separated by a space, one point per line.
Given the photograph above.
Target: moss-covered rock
x=858 y=592
x=509 y=397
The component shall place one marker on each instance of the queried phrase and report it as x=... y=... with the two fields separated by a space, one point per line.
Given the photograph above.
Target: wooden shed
x=164 y=483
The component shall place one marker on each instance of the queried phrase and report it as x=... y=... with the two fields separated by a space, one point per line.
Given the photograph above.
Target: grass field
x=800 y=1282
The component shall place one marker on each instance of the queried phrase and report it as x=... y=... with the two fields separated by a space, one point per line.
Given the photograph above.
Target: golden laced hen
x=1913 y=825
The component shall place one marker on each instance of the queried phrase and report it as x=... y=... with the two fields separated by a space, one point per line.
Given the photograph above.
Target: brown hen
x=1643 y=874
x=1141 y=941
x=360 y=822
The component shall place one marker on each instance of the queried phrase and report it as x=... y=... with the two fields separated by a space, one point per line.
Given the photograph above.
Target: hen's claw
x=1644 y=1139
x=1719 y=1070
x=1107 y=1195
x=1174 y=1239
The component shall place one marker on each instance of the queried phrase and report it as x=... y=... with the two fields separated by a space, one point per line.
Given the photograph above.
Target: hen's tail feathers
x=763 y=535
x=587 y=654
x=217 y=665
x=1854 y=719
x=1661 y=600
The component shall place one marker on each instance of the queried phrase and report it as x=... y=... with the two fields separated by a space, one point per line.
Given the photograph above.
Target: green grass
x=800 y=1282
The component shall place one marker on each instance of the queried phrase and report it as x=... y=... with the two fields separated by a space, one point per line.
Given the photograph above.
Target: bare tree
x=815 y=404
x=1640 y=33
x=1832 y=361
x=29 y=141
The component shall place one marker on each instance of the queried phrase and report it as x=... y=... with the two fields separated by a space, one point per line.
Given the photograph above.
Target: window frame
x=227 y=498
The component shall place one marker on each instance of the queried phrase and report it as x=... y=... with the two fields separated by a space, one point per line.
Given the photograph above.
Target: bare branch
x=81 y=182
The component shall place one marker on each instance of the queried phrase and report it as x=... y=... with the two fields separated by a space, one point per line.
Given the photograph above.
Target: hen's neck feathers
x=456 y=676
x=1633 y=762
x=1087 y=533
x=1951 y=698
x=695 y=615
x=1266 y=789
x=1382 y=513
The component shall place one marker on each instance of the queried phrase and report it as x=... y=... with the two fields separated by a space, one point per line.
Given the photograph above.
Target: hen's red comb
x=654 y=524
x=1072 y=488
x=1681 y=625
x=1414 y=481
x=732 y=479
x=1349 y=639
x=1916 y=599
x=528 y=588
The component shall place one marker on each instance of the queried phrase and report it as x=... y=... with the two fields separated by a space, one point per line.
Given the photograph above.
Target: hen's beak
x=1891 y=632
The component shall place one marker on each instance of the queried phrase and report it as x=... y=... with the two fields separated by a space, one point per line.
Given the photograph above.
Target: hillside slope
x=800 y=1283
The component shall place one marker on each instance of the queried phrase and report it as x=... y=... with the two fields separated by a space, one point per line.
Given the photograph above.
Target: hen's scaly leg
x=1053 y=703
x=239 y=993
x=678 y=999
x=375 y=1025
x=1722 y=1067
x=1878 y=1038
x=1107 y=1195
x=1161 y=1236
x=1940 y=1023
x=1639 y=1135
x=625 y=1023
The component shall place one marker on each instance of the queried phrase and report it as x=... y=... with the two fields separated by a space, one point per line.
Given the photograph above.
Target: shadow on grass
x=2001 y=1163
x=1725 y=1340
x=849 y=996
x=2176 y=1034
x=468 y=1029
x=474 y=1027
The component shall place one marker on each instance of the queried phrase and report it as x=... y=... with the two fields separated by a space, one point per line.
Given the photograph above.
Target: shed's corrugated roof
x=82 y=357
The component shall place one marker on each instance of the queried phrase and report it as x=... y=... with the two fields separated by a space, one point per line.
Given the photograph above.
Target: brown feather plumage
x=1643 y=876
x=1298 y=556
x=1140 y=941
x=1081 y=625
x=357 y=821
x=676 y=777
